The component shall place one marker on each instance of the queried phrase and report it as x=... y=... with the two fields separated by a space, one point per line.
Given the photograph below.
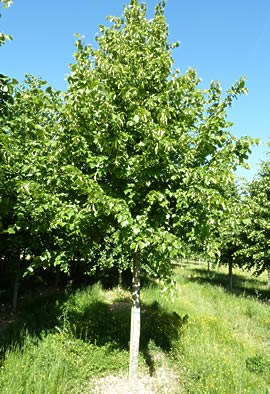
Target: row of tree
x=130 y=167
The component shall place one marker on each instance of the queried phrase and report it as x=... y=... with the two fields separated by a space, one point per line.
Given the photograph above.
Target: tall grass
x=216 y=341
x=57 y=364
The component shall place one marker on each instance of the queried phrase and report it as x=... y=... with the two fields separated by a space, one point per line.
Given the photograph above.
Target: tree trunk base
x=135 y=326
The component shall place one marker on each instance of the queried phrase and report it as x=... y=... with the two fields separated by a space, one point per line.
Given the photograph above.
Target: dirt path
x=165 y=380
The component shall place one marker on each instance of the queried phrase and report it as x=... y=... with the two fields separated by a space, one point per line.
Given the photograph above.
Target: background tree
x=230 y=233
x=27 y=125
x=256 y=248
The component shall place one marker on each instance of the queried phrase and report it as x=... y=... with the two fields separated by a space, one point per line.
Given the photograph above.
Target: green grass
x=216 y=341
x=57 y=364
x=57 y=360
x=227 y=335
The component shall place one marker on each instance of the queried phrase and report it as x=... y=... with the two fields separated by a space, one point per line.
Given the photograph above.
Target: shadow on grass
x=101 y=323
x=38 y=315
x=251 y=287
x=98 y=322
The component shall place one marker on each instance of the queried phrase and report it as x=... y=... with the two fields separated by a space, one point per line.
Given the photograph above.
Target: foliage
x=28 y=126
x=255 y=250
x=6 y=3
x=229 y=234
x=5 y=37
x=258 y=364
x=134 y=156
x=148 y=154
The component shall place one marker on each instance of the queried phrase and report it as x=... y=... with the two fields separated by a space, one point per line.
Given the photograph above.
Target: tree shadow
x=251 y=287
x=98 y=322
x=101 y=323
x=37 y=315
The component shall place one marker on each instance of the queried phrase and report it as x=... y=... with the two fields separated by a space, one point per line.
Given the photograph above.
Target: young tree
x=151 y=149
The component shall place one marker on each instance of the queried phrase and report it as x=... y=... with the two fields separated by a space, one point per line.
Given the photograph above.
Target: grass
x=228 y=333
x=57 y=364
x=209 y=340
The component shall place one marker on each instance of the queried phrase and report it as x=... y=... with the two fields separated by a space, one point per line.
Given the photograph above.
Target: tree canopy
x=154 y=147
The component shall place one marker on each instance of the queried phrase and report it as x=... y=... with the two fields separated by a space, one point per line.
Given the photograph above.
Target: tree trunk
x=208 y=268
x=57 y=275
x=135 y=324
x=120 y=280
x=268 y=277
x=230 y=274
x=16 y=266
x=15 y=292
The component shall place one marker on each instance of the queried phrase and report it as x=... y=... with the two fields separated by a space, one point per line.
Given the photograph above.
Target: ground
x=165 y=379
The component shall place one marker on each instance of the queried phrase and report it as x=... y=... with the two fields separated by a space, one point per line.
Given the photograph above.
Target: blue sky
x=221 y=40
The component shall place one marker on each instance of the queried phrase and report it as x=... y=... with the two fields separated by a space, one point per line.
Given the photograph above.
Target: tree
x=230 y=232
x=151 y=150
x=256 y=247
x=27 y=128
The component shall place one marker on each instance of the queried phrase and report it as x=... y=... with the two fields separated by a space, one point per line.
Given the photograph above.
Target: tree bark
x=268 y=278
x=135 y=326
x=230 y=274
